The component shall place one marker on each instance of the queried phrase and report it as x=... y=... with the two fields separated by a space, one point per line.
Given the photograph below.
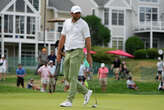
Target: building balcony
x=49 y=36
x=155 y=26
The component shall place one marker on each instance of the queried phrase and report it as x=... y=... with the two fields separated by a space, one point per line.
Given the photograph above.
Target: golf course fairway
x=45 y=101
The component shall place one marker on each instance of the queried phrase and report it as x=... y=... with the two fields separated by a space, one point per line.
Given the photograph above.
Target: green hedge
x=151 y=53
x=101 y=56
x=140 y=54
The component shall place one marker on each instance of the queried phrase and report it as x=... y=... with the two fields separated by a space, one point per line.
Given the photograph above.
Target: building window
x=0 y=24
x=31 y=25
x=35 y=3
x=60 y=26
x=117 y=43
x=106 y=16
x=148 y=14
x=154 y=1
x=8 y=23
x=147 y=43
x=117 y=17
x=19 y=24
x=93 y=12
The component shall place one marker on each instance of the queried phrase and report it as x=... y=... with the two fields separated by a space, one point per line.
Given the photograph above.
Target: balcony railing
x=150 y=25
x=49 y=36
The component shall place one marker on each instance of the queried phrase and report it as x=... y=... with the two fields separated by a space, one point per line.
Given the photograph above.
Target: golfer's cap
x=76 y=9
x=102 y=65
x=50 y=61
x=159 y=58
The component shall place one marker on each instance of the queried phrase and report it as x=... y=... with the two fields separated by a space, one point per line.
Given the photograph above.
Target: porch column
x=151 y=39
x=2 y=37
x=36 y=52
x=2 y=47
x=19 y=52
x=49 y=49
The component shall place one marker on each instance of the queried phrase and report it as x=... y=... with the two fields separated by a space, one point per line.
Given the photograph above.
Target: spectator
x=159 y=69
x=103 y=76
x=52 y=57
x=3 y=67
x=20 y=72
x=161 y=86
x=43 y=57
x=52 y=68
x=44 y=73
x=116 y=65
x=131 y=84
x=82 y=74
x=31 y=85
x=124 y=72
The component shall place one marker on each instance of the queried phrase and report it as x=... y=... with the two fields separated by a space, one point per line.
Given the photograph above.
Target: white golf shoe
x=66 y=104
x=87 y=96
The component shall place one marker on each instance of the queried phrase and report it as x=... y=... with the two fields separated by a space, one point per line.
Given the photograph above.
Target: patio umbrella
x=85 y=51
x=121 y=53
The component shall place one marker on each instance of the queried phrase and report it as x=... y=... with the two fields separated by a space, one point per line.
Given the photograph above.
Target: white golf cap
x=102 y=65
x=50 y=61
x=76 y=9
x=159 y=58
x=2 y=56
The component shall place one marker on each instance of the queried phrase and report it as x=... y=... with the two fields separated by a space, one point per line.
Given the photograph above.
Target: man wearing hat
x=75 y=36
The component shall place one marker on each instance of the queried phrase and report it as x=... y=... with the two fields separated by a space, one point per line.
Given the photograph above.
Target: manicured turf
x=45 y=101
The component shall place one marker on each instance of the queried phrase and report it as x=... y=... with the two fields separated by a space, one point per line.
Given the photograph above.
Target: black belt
x=71 y=50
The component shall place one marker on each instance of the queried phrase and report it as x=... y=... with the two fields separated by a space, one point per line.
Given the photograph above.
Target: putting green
x=45 y=101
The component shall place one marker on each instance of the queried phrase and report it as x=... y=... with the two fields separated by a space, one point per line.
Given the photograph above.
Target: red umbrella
x=85 y=51
x=120 y=52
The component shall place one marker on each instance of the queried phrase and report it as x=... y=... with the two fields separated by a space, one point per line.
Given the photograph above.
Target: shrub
x=134 y=43
x=140 y=54
x=101 y=55
x=152 y=53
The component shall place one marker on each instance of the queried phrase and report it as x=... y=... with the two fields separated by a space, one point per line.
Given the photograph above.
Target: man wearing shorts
x=116 y=65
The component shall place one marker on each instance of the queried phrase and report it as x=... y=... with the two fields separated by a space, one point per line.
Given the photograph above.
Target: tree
x=134 y=43
x=100 y=35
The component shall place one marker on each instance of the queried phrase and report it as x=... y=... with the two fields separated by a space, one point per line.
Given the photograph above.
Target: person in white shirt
x=75 y=36
x=159 y=68
x=52 y=80
x=3 y=67
x=82 y=74
x=131 y=84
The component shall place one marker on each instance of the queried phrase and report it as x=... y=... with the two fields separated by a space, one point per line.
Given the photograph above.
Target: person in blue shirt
x=52 y=57
x=20 y=73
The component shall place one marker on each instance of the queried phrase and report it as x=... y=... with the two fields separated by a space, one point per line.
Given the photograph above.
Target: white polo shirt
x=75 y=33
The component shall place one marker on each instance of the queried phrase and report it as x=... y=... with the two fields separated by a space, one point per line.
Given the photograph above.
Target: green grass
x=117 y=96
x=44 y=101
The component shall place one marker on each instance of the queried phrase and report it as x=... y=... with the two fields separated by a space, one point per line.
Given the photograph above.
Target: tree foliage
x=134 y=43
x=100 y=35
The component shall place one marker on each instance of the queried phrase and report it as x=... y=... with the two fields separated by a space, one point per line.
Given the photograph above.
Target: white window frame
x=8 y=26
x=118 y=12
x=21 y=29
x=145 y=6
x=106 y=14
x=118 y=39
